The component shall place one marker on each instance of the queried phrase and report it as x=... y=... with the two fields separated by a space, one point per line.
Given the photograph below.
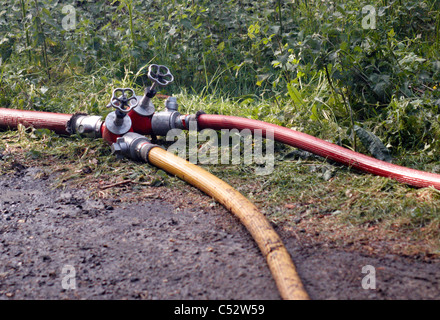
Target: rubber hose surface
x=10 y=118
x=324 y=149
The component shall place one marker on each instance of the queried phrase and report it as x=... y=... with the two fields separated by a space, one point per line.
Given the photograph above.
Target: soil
x=169 y=248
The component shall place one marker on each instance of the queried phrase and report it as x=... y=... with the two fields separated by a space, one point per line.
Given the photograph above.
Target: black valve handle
x=160 y=75
x=122 y=101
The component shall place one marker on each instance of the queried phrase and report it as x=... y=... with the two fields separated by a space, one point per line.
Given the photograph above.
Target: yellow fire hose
x=278 y=258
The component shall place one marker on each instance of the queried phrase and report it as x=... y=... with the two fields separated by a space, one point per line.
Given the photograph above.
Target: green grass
x=307 y=65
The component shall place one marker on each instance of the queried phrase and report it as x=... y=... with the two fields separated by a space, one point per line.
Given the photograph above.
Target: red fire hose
x=10 y=118
x=324 y=149
x=57 y=122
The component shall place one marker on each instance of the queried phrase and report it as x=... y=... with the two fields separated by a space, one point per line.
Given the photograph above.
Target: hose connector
x=192 y=121
x=85 y=125
x=164 y=121
x=132 y=145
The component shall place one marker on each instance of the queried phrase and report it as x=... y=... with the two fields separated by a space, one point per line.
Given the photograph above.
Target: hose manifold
x=168 y=119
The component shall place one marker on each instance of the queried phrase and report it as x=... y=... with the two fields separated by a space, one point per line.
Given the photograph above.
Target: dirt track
x=157 y=250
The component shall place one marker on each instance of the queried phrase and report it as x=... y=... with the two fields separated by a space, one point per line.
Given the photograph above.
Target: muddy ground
x=158 y=249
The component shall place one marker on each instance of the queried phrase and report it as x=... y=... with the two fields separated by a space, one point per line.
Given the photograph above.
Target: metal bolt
x=119 y=148
x=171 y=104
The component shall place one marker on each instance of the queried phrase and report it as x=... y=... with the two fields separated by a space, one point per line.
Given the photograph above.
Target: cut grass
x=348 y=208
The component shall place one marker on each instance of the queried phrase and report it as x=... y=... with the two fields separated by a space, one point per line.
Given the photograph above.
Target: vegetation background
x=334 y=69
x=325 y=60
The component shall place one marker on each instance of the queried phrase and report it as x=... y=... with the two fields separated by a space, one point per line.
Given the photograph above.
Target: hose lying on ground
x=278 y=258
x=324 y=149
x=10 y=118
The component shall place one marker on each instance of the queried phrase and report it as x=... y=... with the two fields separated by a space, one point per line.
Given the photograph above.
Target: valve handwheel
x=160 y=75
x=122 y=101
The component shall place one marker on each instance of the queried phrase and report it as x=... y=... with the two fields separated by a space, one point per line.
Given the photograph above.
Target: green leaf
x=294 y=94
x=261 y=78
x=373 y=144
x=187 y=24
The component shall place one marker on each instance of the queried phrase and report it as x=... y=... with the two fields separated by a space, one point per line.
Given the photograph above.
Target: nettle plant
x=372 y=56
